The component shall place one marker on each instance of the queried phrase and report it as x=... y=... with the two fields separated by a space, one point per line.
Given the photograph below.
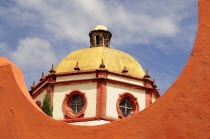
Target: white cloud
x=73 y=19
x=33 y=54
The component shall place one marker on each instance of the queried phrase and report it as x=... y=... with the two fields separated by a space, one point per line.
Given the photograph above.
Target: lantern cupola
x=100 y=36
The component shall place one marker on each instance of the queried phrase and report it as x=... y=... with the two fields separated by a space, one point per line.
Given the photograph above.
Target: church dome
x=90 y=58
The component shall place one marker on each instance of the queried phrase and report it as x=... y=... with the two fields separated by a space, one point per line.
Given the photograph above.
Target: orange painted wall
x=182 y=112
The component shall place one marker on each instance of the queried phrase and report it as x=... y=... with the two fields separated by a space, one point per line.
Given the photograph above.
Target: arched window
x=97 y=40
x=127 y=105
x=74 y=104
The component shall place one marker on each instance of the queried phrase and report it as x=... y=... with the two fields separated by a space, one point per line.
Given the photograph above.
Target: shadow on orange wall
x=182 y=112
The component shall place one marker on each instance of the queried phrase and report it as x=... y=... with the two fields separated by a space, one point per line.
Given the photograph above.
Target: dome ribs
x=77 y=66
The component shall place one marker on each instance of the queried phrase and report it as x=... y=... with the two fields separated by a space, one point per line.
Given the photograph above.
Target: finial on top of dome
x=100 y=27
x=102 y=64
x=147 y=76
x=42 y=77
x=52 y=70
x=124 y=70
x=33 y=85
x=77 y=67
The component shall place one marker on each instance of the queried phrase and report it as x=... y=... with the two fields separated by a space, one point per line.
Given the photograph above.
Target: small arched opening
x=97 y=40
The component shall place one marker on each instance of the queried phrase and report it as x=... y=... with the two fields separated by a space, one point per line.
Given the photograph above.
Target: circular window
x=74 y=104
x=127 y=105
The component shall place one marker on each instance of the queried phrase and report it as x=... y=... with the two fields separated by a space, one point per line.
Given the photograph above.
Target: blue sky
x=159 y=34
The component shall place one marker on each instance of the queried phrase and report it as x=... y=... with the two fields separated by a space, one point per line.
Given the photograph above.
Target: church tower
x=96 y=85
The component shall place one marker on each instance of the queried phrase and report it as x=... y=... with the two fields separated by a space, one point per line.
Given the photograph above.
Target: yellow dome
x=90 y=58
x=100 y=27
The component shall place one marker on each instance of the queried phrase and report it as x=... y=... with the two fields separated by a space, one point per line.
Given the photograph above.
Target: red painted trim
x=79 y=120
x=96 y=80
x=75 y=81
x=148 y=99
x=67 y=111
x=132 y=99
x=34 y=95
x=101 y=73
x=39 y=84
x=101 y=99
x=96 y=70
x=156 y=93
x=47 y=79
x=39 y=91
x=128 y=84
x=52 y=77
x=125 y=75
x=75 y=72
x=149 y=83
x=51 y=95
x=87 y=119
x=99 y=79
x=148 y=93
